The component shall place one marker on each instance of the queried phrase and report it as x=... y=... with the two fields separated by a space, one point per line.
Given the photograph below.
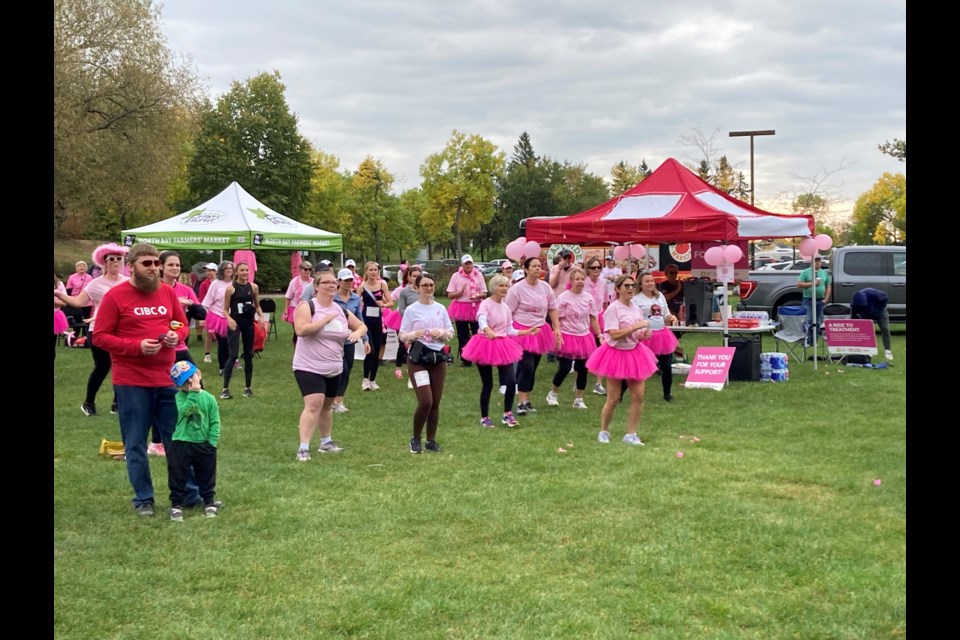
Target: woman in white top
x=426 y=328
x=623 y=357
x=577 y=311
x=662 y=342
x=321 y=326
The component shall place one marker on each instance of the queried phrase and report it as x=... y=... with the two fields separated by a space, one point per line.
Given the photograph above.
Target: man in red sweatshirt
x=140 y=323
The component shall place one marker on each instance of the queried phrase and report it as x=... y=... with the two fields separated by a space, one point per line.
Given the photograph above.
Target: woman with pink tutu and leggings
x=623 y=356
x=578 y=311
x=531 y=302
x=492 y=347
x=663 y=343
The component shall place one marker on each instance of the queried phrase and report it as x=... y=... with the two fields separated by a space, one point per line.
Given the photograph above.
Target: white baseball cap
x=345 y=274
x=350 y=263
x=519 y=275
x=210 y=265
x=465 y=258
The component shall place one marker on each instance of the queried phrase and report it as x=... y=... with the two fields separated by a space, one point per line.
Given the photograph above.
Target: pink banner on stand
x=850 y=336
x=710 y=368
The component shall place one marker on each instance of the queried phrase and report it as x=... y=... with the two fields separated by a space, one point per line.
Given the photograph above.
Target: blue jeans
x=139 y=409
x=808 y=323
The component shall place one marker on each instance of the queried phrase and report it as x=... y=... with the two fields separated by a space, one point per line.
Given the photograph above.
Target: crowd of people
x=594 y=320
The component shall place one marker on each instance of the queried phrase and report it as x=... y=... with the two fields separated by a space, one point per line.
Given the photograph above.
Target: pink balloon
x=514 y=250
x=621 y=253
x=713 y=256
x=637 y=251
x=531 y=249
x=808 y=246
x=732 y=253
x=824 y=242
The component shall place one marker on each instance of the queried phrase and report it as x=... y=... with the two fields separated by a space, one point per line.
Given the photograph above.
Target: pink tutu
x=60 y=322
x=543 y=342
x=577 y=347
x=662 y=342
x=636 y=364
x=287 y=315
x=392 y=319
x=463 y=311
x=216 y=325
x=494 y=352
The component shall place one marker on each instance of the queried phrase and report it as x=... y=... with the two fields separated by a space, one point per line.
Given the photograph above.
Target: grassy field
x=784 y=518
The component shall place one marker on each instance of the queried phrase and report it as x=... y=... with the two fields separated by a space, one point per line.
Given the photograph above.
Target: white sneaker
x=552 y=399
x=409 y=383
x=599 y=390
x=206 y=358
x=340 y=408
x=578 y=404
x=373 y=386
x=503 y=389
x=365 y=385
x=632 y=438
x=604 y=437
x=888 y=354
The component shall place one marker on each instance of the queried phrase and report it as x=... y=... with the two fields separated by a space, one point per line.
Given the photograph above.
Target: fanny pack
x=420 y=354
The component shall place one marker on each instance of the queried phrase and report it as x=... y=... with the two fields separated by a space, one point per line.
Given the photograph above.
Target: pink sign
x=710 y=368
x=850 y=336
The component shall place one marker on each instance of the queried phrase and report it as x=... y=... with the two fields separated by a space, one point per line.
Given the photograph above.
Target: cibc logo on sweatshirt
x=150 y=311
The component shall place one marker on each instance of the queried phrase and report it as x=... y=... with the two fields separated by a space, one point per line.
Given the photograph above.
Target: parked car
x=390 y=271
x=851 y=269
x=792 y=265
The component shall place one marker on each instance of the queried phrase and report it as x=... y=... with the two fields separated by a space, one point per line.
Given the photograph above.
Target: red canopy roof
x=671 y=205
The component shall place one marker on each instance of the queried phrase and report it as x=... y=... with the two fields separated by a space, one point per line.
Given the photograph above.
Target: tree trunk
x=456 y=230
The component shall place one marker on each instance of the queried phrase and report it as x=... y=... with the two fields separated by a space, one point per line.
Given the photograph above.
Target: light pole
x=737 y=134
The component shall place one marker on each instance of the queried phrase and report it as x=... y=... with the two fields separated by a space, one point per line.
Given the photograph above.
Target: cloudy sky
x=590 y=82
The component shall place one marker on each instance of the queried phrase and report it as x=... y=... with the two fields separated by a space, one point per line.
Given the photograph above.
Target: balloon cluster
x=625 y=251
x=810 y=246
x=520 y=248
x=718 y=255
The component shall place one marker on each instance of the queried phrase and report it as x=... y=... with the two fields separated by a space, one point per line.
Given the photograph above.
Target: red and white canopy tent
x=671 y=205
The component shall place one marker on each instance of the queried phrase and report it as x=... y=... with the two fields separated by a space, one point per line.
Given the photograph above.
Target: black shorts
x=311 y=383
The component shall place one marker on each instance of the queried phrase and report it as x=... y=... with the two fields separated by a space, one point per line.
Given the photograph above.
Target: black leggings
x=486 y=380
x=349 y=351
x=526 y=371
x=244 y=330
x=101 y=367
x=465 y=329
x=371 y=363
x=580 y=366
x=401 y=354
x=665 y=364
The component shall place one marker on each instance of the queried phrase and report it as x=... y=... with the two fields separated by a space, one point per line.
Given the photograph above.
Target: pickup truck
x=851 y=269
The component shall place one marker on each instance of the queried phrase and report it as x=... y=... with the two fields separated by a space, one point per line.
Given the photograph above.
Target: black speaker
x=698 y=297
x=746 y=360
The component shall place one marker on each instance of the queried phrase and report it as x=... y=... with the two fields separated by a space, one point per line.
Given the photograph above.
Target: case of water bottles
x=773 y=367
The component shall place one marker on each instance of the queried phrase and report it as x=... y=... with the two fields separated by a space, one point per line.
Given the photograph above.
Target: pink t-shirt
x=621 y=316
x=294 y=289
x=597 y=290
x=77 y=283
x=574 y=311
x=213 y=301
x=97 y=288
x=498 y=316
x=563 y=277
x=530 y=303
x=473 y=282
x=322 y=352
x=183 y=291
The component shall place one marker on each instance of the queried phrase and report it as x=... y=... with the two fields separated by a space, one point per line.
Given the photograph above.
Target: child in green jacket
x=194 y=442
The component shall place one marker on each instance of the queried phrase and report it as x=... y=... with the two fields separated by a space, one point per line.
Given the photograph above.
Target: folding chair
x=832 y=311
x=791 y=333
x=269 y=308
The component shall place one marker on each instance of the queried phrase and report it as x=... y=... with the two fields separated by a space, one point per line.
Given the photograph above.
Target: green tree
x=815 y=205
x=459 y=184
x=574 y=189
x=329 y=189
x=880 y=214
x=896 y=149
x=373 y=210
x=624 y=177
x=250 y=137
x=123 y=106
x=523 y=190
